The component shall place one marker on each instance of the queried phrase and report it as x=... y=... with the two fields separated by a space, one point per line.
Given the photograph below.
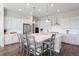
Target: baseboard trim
x=70 y=44
x=11 y=44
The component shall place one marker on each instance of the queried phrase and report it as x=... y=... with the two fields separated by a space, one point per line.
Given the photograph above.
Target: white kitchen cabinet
x=75 y=39
x=65 y=38
x=11 y=38
x=71 y=39
x=73 y=21
x=77 y=22
x=65 y=23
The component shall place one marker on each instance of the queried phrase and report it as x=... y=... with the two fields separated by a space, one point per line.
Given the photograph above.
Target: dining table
x=41 y=37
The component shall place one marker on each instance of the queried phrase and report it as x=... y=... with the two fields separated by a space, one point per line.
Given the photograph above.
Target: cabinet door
x=65 y=22
x=8 y=39
x=72 y=22
x=66 y=38
x=75 y=39
x=77 y=22
x=71 y=39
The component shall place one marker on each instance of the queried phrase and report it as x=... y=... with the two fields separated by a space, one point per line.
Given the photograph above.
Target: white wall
x=1 y=25
x=14 y=22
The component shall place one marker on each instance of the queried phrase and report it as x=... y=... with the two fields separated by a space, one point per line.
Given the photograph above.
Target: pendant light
x=47 y=18
x=56 y=23
x=33 y=21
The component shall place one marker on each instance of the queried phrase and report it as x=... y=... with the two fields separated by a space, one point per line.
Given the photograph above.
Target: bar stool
x=50 y=44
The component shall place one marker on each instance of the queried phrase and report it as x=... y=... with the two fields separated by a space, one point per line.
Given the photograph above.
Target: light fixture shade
x=19 y=9
x=47 y=20
x=52 y=5
x=56 y=23
x=33 y=22
x=28 y=4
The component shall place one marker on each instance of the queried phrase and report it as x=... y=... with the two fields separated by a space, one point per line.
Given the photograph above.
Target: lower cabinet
x=71 y=39
x=10 y=39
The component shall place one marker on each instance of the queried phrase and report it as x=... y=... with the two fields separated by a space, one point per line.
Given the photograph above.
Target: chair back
x=22 y=38
x=19 y=37
x=31 y=41
x=53 y=37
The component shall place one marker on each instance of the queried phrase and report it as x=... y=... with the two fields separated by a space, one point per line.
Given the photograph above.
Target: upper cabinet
x=77 y=22
x=69 y=22
x=74 y=22
x=64 y=22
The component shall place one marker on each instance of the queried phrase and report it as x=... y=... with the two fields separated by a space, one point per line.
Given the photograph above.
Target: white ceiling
x=44 y=7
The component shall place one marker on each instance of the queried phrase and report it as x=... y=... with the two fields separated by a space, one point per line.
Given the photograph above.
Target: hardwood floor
x=10 y=50
x=69 y=50
x=66 y=50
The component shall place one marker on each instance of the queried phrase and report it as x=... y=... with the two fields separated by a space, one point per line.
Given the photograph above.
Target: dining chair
x=50 y=44
x=22 y=46
x=34 y=47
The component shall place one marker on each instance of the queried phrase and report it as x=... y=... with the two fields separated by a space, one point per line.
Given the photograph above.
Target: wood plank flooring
x=10 y=50
x=66 y=50
x=69 y=50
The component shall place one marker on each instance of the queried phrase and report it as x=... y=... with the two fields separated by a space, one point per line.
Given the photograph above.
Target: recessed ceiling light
x=58 y=10
x=19 y=9
x=39 y=10
x=52 y=5
x=27 y=4
x=38 y=15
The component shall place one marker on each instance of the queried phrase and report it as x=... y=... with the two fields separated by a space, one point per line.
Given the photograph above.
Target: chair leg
x=47 y=46
x=23 y=50
x=34 y=52
x=53 y=47
x=50 y=50
x=28 y=51
x=19 y=50
x=50 y=53
x=41 y=50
